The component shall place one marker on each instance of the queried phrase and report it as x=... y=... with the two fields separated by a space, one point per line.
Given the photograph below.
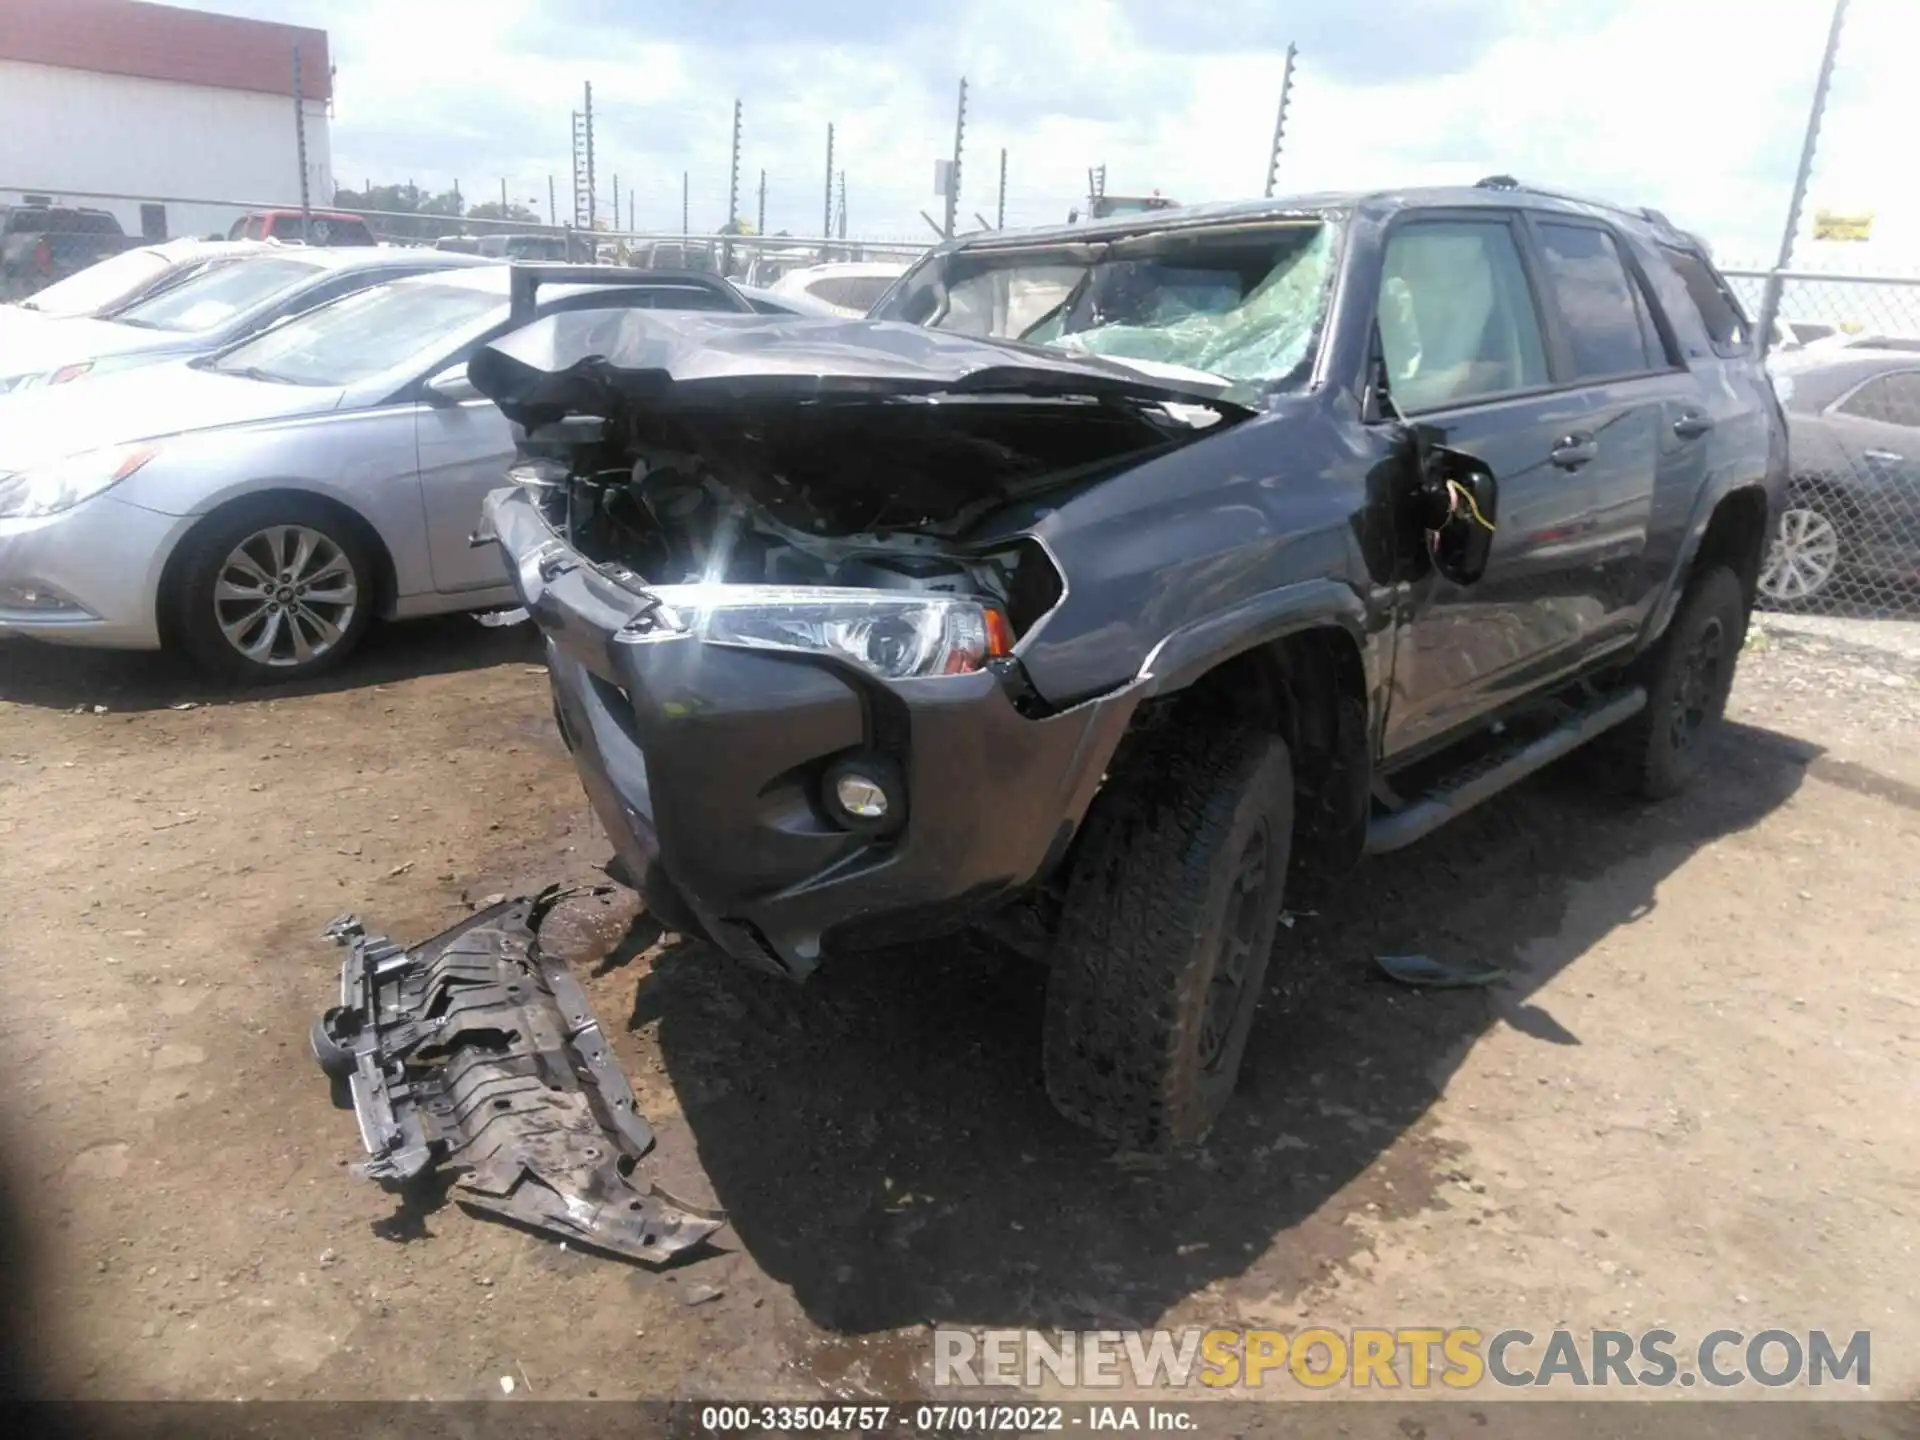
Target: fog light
x=864 y=793
x=33 y=596
x=861 y=795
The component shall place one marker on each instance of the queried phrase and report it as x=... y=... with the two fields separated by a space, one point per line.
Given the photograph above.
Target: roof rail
x=525 y=280
x=1638 y=212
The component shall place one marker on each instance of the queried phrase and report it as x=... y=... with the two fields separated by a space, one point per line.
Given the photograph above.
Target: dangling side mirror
x=1458 y=503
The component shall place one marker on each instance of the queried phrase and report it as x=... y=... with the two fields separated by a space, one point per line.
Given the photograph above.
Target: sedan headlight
x=895 y=636
x=49 y=489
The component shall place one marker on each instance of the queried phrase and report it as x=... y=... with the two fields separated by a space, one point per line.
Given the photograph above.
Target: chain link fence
x=44 y=239
x=1845 y=356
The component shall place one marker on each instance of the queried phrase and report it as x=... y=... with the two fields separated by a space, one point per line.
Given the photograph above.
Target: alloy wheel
x=1699 y=685
x=1237 y=936
x=1804 y=557
x=285 y=595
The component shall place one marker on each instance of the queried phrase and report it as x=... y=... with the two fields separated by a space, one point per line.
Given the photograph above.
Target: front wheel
x=1165 y=933
x=278 y=592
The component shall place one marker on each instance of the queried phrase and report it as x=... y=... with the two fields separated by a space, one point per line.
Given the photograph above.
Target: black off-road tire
x=193 y=623
x=1661 y=750
x=1139 y=1045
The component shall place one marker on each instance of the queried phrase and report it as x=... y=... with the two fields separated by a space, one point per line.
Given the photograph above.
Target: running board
x=1490 y=777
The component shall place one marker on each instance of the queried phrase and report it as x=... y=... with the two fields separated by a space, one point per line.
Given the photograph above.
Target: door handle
x=1886 y=457
x=1570 y=452
x=1692 y=425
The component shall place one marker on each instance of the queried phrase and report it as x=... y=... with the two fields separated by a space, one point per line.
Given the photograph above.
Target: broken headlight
x=896 y=637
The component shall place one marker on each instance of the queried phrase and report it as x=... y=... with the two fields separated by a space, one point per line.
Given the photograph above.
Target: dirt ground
x=1694 y=1105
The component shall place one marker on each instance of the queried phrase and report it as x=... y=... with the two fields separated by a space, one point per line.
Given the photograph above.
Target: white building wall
x=77 y=134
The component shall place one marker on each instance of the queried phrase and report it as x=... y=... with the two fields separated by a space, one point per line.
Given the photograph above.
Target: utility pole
x=1770 y=296
x=843 y=204
x=503 y=197
x=826 y=219
x=584 y=208
x=959 y=143
x=553 y=214
x=1000 y=210
x=1280 y=120
x=686 y=226
x=630 y=225
x=760 y=218
x=616 y=202
x=733 y=196
x=300 y=148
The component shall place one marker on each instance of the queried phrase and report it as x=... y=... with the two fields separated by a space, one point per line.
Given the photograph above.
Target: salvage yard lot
x=1693 y=1106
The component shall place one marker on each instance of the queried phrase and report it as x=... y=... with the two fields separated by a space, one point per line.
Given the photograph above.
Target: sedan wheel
x=285 y=596
x=274 y=592
x=1804 y=558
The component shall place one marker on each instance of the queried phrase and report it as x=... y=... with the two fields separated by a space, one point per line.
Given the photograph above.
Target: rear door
x=1879 y=427
x=1646 y=413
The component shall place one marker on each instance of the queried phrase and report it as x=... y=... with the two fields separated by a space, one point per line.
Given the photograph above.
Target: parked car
x=40 y=244
x=1119 y=571
x=771 y=302
x=121 y=280
x=314 y=227
x=524 y=247
x=1853 y=505
x=258 y=507
x=458 y=244
x=204 y=313
x=851 y=287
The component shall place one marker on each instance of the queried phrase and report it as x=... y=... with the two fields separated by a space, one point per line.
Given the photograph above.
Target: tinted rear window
x=1719 y=311
x=1596 y=299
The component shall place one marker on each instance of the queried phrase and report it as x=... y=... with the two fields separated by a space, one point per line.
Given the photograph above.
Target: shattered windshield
x=1241 y=304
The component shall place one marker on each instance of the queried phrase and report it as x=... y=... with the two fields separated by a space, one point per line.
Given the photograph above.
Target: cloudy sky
x=1695 y=106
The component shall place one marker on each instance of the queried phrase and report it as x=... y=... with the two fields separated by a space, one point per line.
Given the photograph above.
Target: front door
x=465 y=449
x=1468 y=356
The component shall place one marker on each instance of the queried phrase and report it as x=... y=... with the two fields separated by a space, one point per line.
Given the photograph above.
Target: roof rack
x=524 y=281
x=1638 y=212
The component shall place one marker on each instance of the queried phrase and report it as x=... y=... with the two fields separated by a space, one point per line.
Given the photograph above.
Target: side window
x=1457 y=320
x=1891 y=399
x=1719 y=311
x=256 y=228
x=1595 y=298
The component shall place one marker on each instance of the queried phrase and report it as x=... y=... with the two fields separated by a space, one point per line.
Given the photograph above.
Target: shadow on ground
x=61 y=677
x=883 y=1145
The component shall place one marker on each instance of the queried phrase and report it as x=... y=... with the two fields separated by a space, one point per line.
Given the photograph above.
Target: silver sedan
x=259 y=507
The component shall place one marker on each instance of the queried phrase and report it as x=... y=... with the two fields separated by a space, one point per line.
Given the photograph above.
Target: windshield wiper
x=254 y=372
x=1067 y=302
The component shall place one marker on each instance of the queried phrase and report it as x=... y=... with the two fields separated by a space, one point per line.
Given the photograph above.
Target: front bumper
x=705 y=762
x=98 y=565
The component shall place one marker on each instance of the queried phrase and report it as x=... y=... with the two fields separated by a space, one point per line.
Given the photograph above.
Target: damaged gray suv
x=1116 y=572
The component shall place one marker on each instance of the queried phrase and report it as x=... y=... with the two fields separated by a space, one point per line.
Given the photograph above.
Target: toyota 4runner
x=1120 y=570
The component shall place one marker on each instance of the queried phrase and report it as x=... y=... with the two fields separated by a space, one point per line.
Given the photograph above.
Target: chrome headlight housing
x=891 y=635
x=62 y=484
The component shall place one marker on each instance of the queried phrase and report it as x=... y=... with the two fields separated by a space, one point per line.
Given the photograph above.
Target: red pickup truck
x=318 y=227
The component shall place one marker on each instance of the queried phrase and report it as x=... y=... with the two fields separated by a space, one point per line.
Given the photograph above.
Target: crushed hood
x=579 y=362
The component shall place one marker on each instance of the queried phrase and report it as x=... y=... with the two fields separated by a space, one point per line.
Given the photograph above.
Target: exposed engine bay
x=869 y=492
